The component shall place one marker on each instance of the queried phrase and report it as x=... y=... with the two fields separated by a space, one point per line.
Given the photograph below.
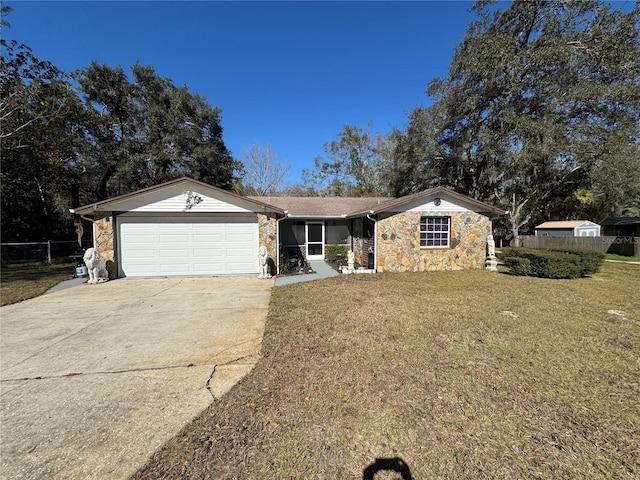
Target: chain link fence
x=19 y=252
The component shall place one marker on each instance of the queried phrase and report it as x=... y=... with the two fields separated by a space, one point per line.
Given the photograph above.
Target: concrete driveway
x=96 y=378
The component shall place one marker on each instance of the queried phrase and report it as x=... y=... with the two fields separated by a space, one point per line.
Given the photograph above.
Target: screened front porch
x=306 y=238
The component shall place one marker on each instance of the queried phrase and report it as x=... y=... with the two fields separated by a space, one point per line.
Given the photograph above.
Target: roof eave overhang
x=394 y=205
x=496 y=211
x=363 y=213
x=85 y=210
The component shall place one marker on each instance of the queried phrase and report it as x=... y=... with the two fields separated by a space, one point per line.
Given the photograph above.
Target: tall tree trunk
x=516 y=235
x=516 y=220
x=104 y=180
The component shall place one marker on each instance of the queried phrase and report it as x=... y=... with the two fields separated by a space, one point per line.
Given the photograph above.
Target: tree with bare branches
x=264 y=172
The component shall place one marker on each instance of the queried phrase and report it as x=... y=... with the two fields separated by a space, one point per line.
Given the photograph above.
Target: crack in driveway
x=66 y=337
x=208 y=384
x=230 y=362
x=102 y=408
x=106 y=372
x=170 y=287
x=133 y=370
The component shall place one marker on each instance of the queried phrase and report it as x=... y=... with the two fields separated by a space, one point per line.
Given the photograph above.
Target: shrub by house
x=552 y=263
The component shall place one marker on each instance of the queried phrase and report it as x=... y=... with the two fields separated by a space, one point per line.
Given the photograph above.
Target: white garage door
x=161 y=247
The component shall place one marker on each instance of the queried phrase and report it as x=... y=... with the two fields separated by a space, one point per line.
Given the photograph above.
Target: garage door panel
x=234 y=237
x=238 y=252
x=144 y=254
x=208 y=269
x=207 y=238
x=139 y=270
x=212 y=246
x=237 y=227
x=173 y=238
x=206 y=254
x=138 y=227
x=170 y=269
x=238 y=267
x=167 y=254
x=182 y=247
x=139 y=238
x=237 y=232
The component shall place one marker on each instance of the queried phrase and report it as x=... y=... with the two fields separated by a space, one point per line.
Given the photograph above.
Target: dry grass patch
x=28 y=280
x=429 y=367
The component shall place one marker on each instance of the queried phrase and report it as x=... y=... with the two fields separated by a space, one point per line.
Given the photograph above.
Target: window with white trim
x=435 y=232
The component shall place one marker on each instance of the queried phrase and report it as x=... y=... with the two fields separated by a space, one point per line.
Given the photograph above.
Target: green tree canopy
x=541 y=102
x=70 y=140
x=39 y=115
x=356 y=164
x=146 y=131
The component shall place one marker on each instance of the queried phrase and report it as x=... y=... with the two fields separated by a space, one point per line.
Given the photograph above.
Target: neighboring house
x=185 y=227
x=621 y=226
x=572 y=228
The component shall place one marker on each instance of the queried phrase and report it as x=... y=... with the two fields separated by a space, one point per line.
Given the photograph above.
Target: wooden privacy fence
x=628 y=246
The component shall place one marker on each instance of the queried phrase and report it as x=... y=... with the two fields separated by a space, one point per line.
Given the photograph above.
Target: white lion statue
x=92 y=261
x=351 y=260
x=263 y=258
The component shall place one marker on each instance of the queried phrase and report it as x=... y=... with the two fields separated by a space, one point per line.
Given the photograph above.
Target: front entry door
x=315 y=240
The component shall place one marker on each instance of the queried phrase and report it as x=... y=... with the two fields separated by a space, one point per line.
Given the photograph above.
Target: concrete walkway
x=74 y=282
x=321 y=269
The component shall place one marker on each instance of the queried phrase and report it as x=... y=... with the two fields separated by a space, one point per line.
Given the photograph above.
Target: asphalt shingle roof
x=323 y=206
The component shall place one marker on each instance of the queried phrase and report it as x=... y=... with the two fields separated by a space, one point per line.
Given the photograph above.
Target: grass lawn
x=473 y=375
x=22 y=281
x=622 y=258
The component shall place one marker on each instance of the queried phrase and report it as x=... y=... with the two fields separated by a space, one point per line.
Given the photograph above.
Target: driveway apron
x=96 y=378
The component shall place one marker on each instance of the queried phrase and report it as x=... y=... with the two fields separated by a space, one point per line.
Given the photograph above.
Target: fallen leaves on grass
x=426 y=367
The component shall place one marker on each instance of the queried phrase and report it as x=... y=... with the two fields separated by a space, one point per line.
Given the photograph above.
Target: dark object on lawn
x=395 y=464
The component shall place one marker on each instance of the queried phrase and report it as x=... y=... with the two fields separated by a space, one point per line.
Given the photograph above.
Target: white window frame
x=433 y=232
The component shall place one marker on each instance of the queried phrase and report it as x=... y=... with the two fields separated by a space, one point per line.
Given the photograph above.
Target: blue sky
x=289 y=74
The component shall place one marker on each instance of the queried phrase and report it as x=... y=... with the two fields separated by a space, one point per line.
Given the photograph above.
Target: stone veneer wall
x=398 y=243
x=103 y=231
x=267 y=234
